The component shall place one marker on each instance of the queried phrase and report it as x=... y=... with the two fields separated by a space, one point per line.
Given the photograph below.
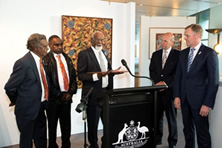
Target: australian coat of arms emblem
x=135 y=136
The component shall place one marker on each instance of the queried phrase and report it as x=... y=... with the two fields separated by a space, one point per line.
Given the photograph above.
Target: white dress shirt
x=105 y=78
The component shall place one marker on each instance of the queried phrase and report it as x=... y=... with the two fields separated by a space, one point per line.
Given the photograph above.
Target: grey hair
x=35 y=41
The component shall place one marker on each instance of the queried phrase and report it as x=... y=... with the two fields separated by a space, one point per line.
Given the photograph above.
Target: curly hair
x=34 y=41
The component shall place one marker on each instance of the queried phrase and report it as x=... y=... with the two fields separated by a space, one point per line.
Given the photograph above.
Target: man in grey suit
x=196 y=84
x=27 y=90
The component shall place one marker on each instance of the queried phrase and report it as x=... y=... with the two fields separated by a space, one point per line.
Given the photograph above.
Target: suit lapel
x=34 y=66
x=93 y=56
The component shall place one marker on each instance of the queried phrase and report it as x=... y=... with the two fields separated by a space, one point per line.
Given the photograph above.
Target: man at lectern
x=94 y=70
x=162 y=71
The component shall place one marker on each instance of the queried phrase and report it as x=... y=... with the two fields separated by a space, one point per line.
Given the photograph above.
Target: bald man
x=162 y=71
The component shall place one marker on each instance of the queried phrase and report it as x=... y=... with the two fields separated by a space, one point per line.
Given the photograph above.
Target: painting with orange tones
x=76 y=35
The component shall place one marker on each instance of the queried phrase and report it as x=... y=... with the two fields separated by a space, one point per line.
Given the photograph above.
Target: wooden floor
x=77 y=140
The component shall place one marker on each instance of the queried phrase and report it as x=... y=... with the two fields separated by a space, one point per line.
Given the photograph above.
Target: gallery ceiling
x=169 y=7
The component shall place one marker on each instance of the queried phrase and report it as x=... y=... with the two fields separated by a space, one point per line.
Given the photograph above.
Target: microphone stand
x=84 y=118
x=81 y=107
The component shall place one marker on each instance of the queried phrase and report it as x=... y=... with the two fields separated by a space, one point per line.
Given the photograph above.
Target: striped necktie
x=190 y=59
x=164 y=58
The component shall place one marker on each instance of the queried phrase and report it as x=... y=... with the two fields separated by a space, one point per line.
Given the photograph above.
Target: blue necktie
x=190 y=59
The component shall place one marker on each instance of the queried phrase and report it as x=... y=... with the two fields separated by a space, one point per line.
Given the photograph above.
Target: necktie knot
x=58 y=56
x=192 y=49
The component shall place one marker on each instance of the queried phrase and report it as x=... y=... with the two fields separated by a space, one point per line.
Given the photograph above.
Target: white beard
x=99 y=47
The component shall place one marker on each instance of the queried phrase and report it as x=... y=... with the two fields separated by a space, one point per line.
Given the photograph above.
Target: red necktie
x=64 y=74
x=44 y=80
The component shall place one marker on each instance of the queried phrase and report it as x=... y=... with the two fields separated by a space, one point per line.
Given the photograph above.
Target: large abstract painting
x=77 y=31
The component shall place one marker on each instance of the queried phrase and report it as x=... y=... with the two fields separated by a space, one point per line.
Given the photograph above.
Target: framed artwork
x=76 y=35
x=155 y=38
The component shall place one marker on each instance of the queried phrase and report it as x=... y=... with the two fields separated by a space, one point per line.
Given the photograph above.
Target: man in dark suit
x=62 y=78
x=197 y=80
x=94 y=60
x=27 y=90
x=162 y=71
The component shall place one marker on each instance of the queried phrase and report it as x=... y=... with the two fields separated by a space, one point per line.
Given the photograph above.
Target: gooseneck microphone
x=125 y=64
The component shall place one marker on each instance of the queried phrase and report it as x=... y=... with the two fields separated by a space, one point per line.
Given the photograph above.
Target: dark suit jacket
x=51 y=69
x=168 y=73
x=200 y=85
x=87 y=62
x=24 y=87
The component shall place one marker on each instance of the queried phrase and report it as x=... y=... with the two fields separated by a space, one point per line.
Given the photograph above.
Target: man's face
x=191 y=38
x=166 y=43
x=98 y=41
x=41 y=51
x=56 y=45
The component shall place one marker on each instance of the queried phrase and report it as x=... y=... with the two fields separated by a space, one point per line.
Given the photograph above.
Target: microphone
x=125 y=64
x=84 y=101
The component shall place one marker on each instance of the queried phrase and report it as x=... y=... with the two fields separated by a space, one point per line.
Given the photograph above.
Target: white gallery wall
x=19 y=19
x=148 y=22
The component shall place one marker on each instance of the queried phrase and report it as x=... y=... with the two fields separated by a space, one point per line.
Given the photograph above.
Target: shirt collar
x=168 y=50
x=36 y=58
x=55 y=55
x=197 y=47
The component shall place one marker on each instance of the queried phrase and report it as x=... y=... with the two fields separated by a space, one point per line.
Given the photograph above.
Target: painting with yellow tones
x=76 y=35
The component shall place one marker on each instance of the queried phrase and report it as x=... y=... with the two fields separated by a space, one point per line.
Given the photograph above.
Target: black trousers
x=191 y=119
x=93 y=115
x=33 y=130
x=61 y=112
x=165 y=104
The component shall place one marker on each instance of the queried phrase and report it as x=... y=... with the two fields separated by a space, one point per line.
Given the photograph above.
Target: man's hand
x=102 y=74
x=161 y=83
x=11 y=104
x=66 y=97
x=117 y=71
x=177 y=102
x=204 y=111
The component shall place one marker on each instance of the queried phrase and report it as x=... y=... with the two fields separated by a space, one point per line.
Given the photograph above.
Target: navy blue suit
x=165 y=98
x=24 y=90
x=196 y=88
